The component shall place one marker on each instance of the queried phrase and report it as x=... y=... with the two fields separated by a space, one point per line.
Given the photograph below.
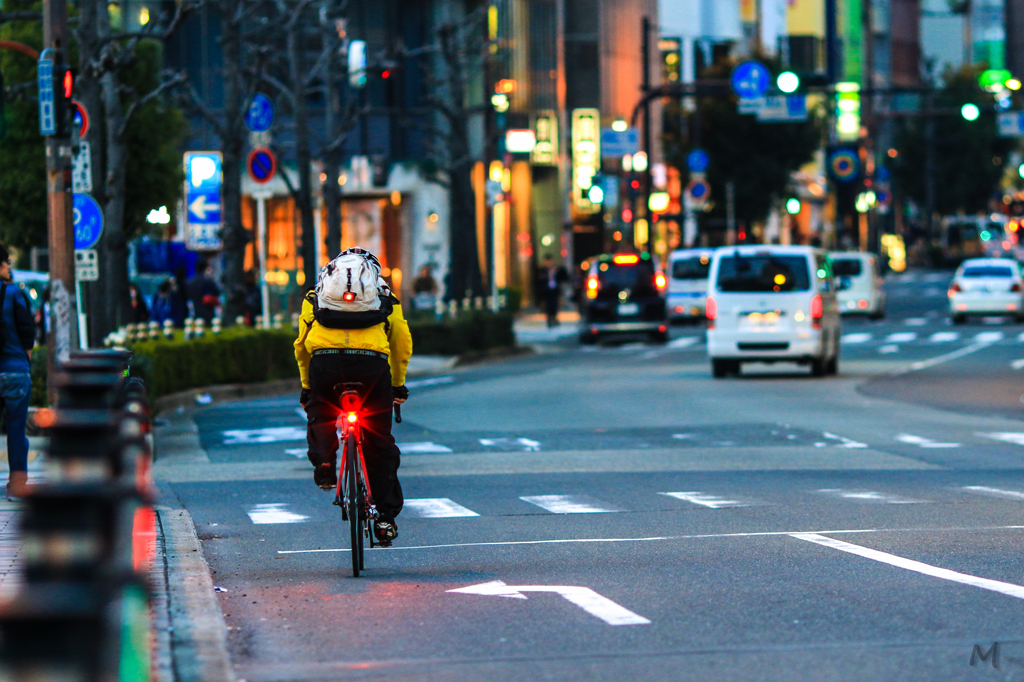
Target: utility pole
x=645 y=45
x=60 y=225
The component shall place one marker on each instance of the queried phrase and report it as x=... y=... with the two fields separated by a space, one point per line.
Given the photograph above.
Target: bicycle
x=353 y=493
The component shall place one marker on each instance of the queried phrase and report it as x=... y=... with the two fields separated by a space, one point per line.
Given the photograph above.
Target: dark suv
x=622 y=294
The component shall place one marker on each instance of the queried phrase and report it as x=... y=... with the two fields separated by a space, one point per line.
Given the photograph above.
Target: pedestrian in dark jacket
x=140 y=311
x=17 y=334
x=202 y=292
x=550 y=279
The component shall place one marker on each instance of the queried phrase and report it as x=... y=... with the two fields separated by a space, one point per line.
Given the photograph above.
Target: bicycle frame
x=352 y=428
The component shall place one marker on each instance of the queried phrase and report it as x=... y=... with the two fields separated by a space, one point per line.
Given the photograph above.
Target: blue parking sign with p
x=203 y=199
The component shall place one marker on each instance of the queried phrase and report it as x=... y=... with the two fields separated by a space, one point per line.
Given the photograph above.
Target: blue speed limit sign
x=88 y=221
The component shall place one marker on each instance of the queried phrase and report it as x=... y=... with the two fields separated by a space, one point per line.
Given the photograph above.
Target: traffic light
x=793 y=206
x=848 y=111
x=64 y=110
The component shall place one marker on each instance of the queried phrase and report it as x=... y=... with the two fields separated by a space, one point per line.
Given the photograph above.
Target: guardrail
x=88 y=532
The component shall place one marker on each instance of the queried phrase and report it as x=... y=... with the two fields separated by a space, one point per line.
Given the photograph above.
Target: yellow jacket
x=396 y=343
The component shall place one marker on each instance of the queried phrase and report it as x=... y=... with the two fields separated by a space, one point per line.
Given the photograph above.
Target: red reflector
x=711 y=309
x=348 y=296
x=662 y=328
x=627 y=259
x=816 y=308
x=1015 y=287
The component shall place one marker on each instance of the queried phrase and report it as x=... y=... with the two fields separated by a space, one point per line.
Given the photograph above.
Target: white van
x=772 y=303
x=858 y=284
x=688 y=283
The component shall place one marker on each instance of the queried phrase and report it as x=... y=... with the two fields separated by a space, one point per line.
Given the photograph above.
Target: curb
x=191 y=638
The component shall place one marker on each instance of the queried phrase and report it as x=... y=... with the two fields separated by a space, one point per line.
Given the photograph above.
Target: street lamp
x=970 y=112
x=788 y=82
x=793 y=206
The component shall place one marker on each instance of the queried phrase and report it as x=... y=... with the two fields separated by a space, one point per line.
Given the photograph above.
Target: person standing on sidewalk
x=550 y=279
x=17 y=334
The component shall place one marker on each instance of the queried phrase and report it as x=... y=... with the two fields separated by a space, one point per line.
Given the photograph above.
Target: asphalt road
x=610 y=512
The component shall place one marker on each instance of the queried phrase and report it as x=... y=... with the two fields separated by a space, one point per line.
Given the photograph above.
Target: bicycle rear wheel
x=352 y=492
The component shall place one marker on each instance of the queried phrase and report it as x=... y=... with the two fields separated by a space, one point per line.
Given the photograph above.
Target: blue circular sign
x=697 y=161
x=88 y=220
x=262 y=165
x=699 y=190
x=844 y=165
x=261 y=113
x=750 y=79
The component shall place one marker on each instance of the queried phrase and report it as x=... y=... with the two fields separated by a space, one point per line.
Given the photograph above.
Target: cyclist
x=352 y=330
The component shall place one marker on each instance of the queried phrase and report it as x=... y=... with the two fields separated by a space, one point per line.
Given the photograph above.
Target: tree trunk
x=113 y=256
x=332 y=166
x=464 y=277
x=234 y=236
x=303 y=158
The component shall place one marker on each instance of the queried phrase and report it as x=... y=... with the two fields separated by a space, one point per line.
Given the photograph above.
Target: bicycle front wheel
x=352 y=492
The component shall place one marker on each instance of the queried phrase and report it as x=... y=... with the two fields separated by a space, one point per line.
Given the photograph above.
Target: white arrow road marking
x=923 y=442
x=1008 y=494
x=944 y=337
x=860 y=337
x=844 y=442
x=1017 y=364
x=522 y=444
x=1020 y=337
x=274 y=513
x=1015 y=438
x=422 y=448
x=568 y=504
x=901 y=337
x=909 y=564
x=869 y=496
x=271 y=434
x=438 y=508
x=583 y=597
x=705 y=500
x=199 y=207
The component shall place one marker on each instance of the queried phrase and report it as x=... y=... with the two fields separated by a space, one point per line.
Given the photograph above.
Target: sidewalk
x=532 y=327
x=10 y=521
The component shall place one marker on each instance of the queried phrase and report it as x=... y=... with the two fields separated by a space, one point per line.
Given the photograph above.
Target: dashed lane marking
x=844 y=442
x=1015 y=438
x=988 y=337
x=997 y=492
x=911 y=439
x=705 y=500
x=511 y=444
x=944 y=337
x=274 y=513
x=422 y=448
x=1008 y=589
x=939 y=359
x=271 y=434
x=860 y=337
x=297 y=452
x=437 y=508
x=869 y=496
x=888 y=349
x=568 y=504
x=901 y=337
x=683 y=341
x=1017 y=364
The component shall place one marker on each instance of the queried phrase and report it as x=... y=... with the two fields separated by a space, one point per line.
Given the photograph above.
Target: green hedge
x=242 y=355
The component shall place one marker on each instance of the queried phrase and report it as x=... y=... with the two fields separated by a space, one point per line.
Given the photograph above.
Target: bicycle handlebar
x=398 y=413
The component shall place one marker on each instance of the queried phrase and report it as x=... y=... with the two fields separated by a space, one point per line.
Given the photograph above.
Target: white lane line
x=1015 y=438
x=568 y=504
x=915 y=321
x=302 y=414
x=432 y=381
x=583 y=597
x=844 y=442
x=944 y=337
x=859 y=337
x=301 y=453
x=869 y=496
x=891 y=348
x=660 y=538
x=437 y=508
x=1008 y=589
x=939 y=359
x=988 y=337
x=1020 y=337
x=274 y=513
x=911 y=439
x=269 y=435
x=422 y=448
x=1017 y=364
x=512 y=444
x=1008 y=494
x=705 y=500
x=683 y=341
x=901 y=337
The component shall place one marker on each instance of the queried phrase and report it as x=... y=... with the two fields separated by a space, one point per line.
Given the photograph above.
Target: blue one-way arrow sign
x=203 y=198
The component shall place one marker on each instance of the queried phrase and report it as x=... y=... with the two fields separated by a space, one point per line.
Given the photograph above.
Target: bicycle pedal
x=337 y=502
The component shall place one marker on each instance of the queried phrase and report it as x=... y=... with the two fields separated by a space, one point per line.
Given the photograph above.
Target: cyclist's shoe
x=386 y=531
x=325 y=477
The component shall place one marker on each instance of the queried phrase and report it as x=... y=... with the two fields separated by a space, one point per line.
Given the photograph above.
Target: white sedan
x=986 y=286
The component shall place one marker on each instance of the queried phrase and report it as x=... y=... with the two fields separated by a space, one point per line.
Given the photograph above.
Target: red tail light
x=711 y=309
x=1015 y=287
x=351 y=416
x=348 y=296
x=955 y=289
x=592 y=286
x=816 y=308
x=659 y=281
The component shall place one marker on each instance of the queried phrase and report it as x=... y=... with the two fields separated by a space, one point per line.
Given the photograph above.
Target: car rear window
x=763 y=273
x=691 y=268
x=846 y=267
x=638 y=278
x=987 y=271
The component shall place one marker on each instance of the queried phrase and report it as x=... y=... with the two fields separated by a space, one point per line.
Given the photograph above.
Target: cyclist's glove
x=400 y=392
x=304 y=396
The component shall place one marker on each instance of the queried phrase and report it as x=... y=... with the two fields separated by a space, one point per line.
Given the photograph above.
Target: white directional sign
x=783 y=109
x=200 y=207
x=583 y=597
x=81 y=169
x=86 y=265
x=203 y=200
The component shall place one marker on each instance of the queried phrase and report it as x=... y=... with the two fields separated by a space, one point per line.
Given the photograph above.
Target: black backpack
x=337 y=319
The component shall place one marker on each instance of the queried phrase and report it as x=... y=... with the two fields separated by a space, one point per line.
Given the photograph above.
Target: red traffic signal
x=69 y=82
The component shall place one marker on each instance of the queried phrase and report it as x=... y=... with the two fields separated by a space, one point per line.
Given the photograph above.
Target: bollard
x=168 y=329
x=259 y=321
x=278 y=320
x=295 y=321
x=199 y=328
x=188 y=328
x=215 y=326
x=467 y=303
x=453 y=308
x=438 y=309
x=154 y=330
x=240 y=320
x=478 y=303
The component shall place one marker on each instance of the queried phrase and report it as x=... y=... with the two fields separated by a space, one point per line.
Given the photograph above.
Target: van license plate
x=628 y=309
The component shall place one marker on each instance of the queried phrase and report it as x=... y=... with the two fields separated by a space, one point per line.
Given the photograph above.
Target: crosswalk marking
x=1020 y=337
x=1008 y=494
x=869 y=496
x=271 y=434
x=891 y=348
x=422 y=448
x=988 y=337
x=1017 y=364
x=437 y=508
x=568 y=504
x=915 y=321
x=683 y=342
x=705 y=500
x=844 y=442
x=274 y=513
x=901 y=337
x=923 y=442
x=1015 y=438
x=859 y=337
x=944 y=337
x=520 y=444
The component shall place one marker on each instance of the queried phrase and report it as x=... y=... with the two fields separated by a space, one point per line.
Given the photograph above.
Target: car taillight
x=816 y=308
x=711 y=309
x=1015 y=287
x=659 y=281
x=592 y=287
x=955 y=289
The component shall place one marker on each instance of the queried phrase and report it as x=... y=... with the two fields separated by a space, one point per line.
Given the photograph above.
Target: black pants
x=379 y=449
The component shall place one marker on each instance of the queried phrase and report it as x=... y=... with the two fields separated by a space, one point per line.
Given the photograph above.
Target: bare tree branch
x=20 y=16
x=172 y=79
